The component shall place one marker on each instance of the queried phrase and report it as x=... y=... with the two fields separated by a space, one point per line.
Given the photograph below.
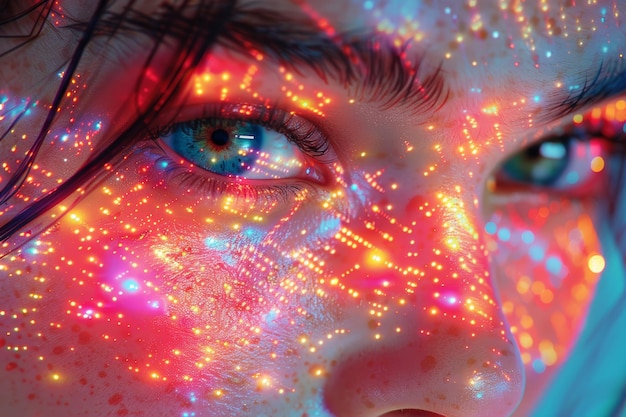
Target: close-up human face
x=367 y=208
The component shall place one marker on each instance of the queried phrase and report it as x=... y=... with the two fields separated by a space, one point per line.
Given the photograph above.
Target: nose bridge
x=429 y=249
x=428 y=235
x=436 y=337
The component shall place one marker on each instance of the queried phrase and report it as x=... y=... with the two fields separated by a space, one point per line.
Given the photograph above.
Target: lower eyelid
x=195 y=181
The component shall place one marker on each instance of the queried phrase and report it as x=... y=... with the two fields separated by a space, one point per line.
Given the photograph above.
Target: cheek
x=548 y=259
x=170 y=287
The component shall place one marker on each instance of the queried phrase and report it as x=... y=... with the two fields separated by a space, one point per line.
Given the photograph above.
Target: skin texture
x=403 y=273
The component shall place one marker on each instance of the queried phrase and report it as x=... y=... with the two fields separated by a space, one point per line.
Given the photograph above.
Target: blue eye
x=542 y=164
x=242 y=149
x=573 y=164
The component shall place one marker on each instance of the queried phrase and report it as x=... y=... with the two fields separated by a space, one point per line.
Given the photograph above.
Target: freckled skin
x=378 y=291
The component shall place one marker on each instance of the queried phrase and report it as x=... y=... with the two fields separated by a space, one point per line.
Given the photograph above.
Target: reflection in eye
x=540 y=164
x=569 y=163
x=248 y=149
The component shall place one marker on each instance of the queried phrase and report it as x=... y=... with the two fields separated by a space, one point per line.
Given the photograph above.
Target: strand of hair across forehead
x=19 y=176
x=192 y=50
x=10 y=16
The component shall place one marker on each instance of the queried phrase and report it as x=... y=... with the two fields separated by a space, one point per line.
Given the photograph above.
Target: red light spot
x=115 y=399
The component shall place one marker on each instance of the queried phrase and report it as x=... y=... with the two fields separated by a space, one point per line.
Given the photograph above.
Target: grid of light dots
x=545 y=352
x=373 y=258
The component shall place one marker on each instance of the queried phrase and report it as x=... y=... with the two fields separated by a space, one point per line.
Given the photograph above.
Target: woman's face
x=400 y=213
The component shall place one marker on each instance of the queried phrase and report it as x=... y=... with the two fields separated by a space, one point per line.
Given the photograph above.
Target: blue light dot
x=572 y=178
x=528 y=237
x=447 y=10
x=548 y=54
x=271 y=316
x=605 y=49
x=354 y=187
x=491 y=228
x=537 y=99
x=504 y=234
x=553 y=150
x=130 y=285
x=212 y=243
x=539 y=366
x=495 y=34
x=368 y=5
x=553 y=264
x=536 y=253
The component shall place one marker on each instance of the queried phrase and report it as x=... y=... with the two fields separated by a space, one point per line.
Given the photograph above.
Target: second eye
x=236 y=148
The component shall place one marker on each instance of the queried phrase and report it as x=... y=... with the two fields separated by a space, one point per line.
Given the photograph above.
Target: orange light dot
x=597 y=164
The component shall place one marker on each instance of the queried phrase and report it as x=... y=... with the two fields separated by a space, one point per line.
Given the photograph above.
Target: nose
x=428 y=338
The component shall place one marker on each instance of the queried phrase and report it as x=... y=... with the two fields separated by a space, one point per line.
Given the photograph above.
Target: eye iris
x=229 y=149
x=541 y=164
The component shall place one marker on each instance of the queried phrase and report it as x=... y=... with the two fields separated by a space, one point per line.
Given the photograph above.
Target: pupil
x=220 y=137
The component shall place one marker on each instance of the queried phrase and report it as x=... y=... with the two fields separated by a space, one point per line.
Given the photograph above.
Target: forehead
x=474 y=29
x=506 y=51
x=543 y=42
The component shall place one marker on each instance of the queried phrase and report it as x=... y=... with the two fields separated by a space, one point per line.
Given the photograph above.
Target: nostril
x=411 y=413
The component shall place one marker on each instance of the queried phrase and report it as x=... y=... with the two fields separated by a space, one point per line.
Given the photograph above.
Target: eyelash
x=305 y=135
x=298 y=131
x=608 y=133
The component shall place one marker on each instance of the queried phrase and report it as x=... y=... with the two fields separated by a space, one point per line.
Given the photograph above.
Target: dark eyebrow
x=608 y=81
x=368 y=65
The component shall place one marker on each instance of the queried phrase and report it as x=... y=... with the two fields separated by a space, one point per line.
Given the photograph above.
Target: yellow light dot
x=375 y=258
x=596 y=263
x=578 y=118
x=597 y=164
x=548 y=354
x=525 y=340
